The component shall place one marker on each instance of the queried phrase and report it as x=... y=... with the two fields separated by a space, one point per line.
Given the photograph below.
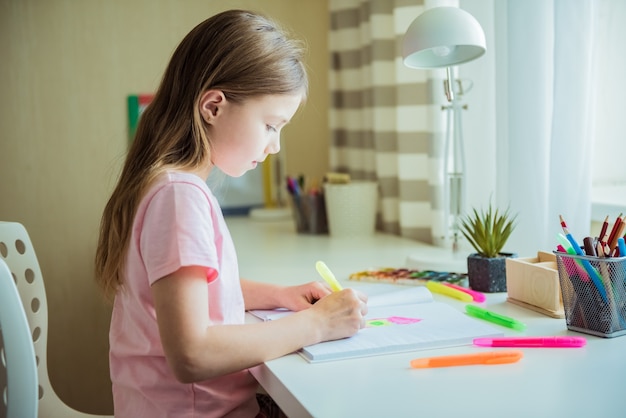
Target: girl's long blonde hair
x=238 y=52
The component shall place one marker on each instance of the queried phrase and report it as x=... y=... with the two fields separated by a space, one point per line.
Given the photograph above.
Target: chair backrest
x=17 y=251
x=20 y=394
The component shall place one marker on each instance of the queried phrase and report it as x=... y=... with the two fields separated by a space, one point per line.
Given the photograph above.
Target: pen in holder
x=593 y=290
x=309 y=213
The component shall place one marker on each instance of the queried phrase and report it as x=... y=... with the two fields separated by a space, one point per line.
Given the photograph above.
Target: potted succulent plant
x=487 y=231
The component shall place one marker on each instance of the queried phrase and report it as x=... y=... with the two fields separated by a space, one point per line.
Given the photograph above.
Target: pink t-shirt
x=178 y=223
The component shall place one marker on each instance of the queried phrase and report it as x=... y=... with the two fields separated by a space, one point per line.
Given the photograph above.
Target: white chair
x=17 y=251
x=19 y=395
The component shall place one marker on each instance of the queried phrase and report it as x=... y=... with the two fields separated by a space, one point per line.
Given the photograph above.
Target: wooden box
x=533 y=283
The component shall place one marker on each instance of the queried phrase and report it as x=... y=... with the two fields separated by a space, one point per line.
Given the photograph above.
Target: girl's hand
x=298 y=298
x=341 y=313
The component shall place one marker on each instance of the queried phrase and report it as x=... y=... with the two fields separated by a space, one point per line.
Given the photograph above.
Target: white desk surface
x=575 y=382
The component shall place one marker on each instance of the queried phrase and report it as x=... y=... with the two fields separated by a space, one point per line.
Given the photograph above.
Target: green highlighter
x=505 y=321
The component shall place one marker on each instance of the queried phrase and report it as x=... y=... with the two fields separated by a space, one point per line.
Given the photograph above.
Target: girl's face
x=243 y=135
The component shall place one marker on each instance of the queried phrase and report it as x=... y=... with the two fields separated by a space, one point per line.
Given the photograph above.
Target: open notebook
x=402 y=320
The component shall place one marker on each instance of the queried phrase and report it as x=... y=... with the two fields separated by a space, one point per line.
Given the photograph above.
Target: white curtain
x=546 y=76
x=609 y=141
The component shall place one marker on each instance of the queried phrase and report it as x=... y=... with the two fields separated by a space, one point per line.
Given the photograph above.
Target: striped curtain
x=385 y=119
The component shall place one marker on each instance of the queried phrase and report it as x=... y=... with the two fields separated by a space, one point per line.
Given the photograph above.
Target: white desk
x=582 y=382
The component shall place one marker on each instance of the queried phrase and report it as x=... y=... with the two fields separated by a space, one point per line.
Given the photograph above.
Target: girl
x=178 y=343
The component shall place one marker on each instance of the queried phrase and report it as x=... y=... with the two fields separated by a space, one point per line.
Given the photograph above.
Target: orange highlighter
x=490 y=357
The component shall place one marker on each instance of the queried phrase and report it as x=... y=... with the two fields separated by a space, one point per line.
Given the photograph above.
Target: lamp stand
x=454 y=161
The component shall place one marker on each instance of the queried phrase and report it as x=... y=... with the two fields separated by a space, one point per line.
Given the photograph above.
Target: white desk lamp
x=442 y=37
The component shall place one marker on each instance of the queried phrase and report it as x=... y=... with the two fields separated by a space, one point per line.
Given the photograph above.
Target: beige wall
x=66 y=69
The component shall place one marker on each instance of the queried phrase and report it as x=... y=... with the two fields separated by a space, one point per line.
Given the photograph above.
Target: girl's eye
x=270 y=128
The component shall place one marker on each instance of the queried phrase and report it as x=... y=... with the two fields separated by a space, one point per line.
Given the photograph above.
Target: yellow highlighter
x=442 y=289
x=328 y=275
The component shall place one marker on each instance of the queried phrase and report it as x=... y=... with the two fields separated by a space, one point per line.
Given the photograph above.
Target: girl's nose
x=274 y=146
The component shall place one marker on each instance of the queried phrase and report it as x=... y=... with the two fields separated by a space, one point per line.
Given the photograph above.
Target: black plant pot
x=487 y=274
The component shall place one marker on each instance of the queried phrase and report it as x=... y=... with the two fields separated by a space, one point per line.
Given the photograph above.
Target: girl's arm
x=197 y=350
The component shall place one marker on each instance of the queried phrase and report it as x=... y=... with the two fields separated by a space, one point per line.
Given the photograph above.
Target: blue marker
x=621 y=246
x=588 y=267
x=593 y=274
x=565 y=243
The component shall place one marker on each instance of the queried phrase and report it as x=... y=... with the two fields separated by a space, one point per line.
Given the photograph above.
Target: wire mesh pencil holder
x=594 y=293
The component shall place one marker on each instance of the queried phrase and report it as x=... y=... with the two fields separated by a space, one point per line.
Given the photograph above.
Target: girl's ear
x=210 y=102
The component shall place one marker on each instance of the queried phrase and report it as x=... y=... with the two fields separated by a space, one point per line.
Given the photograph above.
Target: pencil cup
x=593 y=290
x=309 y=213
x=351 y=208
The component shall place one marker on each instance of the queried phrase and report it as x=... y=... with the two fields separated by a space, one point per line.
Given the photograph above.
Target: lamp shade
x=442 y=37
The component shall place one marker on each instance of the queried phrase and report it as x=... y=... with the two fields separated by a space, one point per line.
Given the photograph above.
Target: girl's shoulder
x=175 y=182
x=178 y=176
x=175 y=178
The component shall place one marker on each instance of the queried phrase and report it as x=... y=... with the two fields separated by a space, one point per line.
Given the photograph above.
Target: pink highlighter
x=531 y=342
x=477 y=296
